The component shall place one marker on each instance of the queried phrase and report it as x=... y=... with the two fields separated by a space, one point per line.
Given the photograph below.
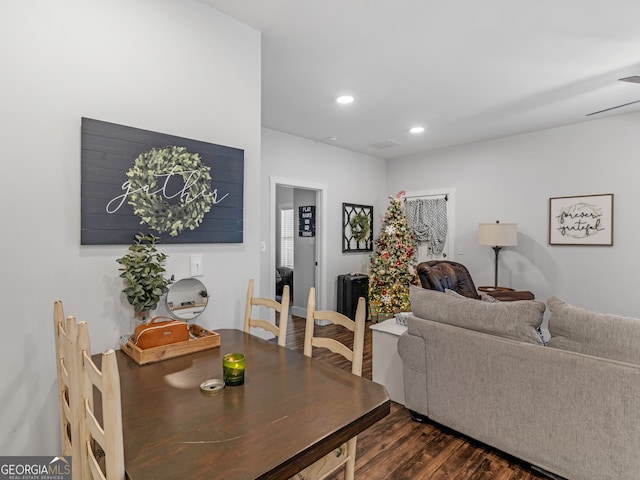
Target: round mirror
x=187 y=298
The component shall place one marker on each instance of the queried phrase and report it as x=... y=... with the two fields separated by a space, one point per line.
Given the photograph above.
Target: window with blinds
x=286 y=237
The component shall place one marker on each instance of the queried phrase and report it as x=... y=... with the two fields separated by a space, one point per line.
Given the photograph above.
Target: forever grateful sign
x=181 y=190
x=581 y=220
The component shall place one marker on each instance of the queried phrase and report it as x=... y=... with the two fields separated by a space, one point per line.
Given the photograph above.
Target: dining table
x=291 y=411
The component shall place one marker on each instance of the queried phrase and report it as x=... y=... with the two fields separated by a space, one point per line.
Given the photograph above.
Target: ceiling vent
x=386 y=144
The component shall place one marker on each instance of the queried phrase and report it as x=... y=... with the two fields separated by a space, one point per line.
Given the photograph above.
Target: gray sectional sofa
x=571 y=407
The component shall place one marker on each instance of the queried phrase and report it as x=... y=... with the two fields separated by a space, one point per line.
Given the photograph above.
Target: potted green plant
x=143 y=273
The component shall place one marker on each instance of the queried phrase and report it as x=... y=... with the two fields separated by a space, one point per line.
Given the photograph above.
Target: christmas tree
x=392 y=266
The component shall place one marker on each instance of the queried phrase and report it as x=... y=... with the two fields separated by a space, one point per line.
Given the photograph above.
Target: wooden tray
x=204 y=340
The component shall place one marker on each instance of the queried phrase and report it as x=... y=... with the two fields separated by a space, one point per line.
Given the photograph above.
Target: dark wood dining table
x=290 y=412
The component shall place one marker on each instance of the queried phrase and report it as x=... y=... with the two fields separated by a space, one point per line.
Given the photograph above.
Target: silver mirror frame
x=185 y=299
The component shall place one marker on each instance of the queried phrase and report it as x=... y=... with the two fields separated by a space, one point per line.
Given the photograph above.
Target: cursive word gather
x=184 y=194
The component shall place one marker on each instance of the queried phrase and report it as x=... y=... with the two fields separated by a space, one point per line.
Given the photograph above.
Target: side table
x=505 y=294
x=386 y=362
x=494 y=289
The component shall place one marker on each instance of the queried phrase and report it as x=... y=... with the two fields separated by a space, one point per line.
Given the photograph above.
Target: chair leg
x=350 y=466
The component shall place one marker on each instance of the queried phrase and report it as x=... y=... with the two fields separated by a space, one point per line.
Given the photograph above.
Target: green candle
x=233 y=369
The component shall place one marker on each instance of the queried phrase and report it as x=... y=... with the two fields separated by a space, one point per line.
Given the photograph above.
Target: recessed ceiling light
x=344 y=99
x=416 y=129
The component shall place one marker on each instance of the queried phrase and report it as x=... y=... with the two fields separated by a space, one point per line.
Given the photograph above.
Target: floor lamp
x=498 y=235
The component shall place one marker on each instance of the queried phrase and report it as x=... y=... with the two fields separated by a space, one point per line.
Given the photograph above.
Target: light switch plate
x=197 y=267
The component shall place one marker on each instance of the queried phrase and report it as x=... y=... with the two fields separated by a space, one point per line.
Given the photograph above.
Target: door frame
x=321 y=235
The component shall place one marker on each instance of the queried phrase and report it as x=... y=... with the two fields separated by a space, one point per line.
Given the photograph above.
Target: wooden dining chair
x=65 y=333
x=102 y=453
x=282 y=309
x=346 y=453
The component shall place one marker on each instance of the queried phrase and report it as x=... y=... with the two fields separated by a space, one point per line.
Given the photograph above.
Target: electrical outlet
x=460 y=250
x=197 y=267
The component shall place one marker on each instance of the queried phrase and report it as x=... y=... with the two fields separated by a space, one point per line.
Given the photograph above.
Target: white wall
x=512 y=179
x=171 y=66
x=350 y=177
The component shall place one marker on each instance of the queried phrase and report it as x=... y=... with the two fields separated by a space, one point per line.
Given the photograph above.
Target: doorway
x=297 y=222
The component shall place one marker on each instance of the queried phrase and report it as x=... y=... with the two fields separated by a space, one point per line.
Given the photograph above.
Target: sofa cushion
x=599 y=334
x=515 y=320
x=488 y=298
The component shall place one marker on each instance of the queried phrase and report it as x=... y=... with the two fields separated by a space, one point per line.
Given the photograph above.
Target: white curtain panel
x=427 y=217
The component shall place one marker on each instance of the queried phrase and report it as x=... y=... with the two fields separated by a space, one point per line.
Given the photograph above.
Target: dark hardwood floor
x=397 y=448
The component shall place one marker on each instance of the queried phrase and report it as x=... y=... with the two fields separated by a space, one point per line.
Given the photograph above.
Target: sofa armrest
x=412 y=351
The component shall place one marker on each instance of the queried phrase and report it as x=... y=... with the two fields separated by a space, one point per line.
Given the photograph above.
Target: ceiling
x=465 y=70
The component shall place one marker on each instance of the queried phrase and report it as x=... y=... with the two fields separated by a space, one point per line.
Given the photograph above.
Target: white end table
x=386 y=362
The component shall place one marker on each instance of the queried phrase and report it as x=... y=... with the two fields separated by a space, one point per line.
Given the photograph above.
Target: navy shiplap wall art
x=180 y=190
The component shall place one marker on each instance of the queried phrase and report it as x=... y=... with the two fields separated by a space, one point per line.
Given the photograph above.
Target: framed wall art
x=307 y=221
x=357 y=228
x=179 y=189
x=581 y=220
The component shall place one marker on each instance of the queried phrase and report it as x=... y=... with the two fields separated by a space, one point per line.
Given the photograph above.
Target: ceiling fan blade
x=613 y=108
x=631 y=79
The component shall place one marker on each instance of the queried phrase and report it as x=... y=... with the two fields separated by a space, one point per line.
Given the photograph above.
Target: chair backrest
x=281 y=308
x=65 y=333
x=445 y=274
x=355 y=355
x=103 y=436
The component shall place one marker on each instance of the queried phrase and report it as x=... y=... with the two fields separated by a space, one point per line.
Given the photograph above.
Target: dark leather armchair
x=445 y=274
x=284 y=276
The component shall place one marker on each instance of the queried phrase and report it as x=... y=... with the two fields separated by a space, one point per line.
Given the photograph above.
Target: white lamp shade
x=498 y=234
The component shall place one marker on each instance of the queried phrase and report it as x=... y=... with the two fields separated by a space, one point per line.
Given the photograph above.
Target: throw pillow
x=514 y=320
x=484 y=296
x=540 y=335
x=453 y=293
x=602 y=335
